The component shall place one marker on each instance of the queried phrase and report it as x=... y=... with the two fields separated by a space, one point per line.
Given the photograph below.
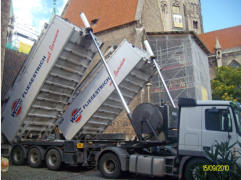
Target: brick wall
x=13 y=63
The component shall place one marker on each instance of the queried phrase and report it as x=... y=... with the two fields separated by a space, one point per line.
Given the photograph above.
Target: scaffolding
x=184 y=65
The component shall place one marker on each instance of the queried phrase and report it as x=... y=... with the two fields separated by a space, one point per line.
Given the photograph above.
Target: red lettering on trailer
x=116 y=72
x=51 y=47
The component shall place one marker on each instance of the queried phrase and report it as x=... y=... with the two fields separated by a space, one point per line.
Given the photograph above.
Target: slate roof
x=228 y=38
x=109 y=13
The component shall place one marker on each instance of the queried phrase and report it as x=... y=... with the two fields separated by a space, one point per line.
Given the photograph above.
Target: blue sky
x=219 y=14
x=35 y=12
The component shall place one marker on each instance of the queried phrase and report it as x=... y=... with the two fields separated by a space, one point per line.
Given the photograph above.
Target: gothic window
x=195 y=24
x=164 y=6
x=175 y=10
x=234 y=63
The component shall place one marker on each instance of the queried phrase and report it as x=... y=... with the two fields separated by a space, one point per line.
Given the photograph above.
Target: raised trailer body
x=93 y=107
x=98 y=104
x=46 y=81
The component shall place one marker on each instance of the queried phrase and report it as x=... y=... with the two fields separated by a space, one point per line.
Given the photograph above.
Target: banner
x=24 y=48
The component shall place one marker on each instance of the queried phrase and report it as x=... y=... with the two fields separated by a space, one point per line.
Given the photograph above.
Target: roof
x=228 y=38
x=109 y=13
x=192 y=33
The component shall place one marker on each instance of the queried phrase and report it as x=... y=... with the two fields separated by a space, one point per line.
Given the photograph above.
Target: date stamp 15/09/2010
x=215 y=167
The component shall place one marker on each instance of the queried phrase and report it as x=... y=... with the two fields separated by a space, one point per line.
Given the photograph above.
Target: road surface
x=66 y=173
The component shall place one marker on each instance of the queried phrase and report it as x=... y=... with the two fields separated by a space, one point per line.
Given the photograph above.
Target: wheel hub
x=109 y=166
x=52 y=159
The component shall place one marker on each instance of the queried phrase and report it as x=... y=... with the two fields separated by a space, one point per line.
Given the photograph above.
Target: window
x=195 y=24
x=234 y=63
x=218 y=120
x=176 y=10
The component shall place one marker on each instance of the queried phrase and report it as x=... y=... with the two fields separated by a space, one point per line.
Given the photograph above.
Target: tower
x=172 y=15
x=218 y=53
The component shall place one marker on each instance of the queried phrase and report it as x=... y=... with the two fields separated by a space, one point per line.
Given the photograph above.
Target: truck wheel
x=34 y=157
x=192 y=169
x=109 y=166
x=17 y=155
x=53 y=159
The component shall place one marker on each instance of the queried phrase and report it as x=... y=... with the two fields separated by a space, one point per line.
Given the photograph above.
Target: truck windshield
x=237 y=115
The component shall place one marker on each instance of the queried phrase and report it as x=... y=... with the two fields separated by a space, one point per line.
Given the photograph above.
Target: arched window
x=234 y=63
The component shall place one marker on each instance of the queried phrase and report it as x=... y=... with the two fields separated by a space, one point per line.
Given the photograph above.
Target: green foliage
x=222 y=154
x=227 y=84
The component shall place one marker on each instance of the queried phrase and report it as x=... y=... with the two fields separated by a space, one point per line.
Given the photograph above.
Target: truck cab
x=204 y=123
x=199 y=126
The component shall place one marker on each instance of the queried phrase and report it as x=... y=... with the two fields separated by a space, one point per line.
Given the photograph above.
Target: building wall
x=5 y=6
x=164 y=15
x=13 y=63
x=230 y=57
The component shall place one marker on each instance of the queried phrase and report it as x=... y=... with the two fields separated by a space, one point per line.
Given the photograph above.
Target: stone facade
x=225 y=48
x=5 y=6
x=228 y=57
x=172 y=15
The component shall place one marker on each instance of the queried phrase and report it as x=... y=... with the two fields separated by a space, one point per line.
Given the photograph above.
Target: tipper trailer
x=170 y=141
x=48 y=78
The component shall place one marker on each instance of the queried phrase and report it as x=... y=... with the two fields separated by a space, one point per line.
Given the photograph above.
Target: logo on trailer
x=16 y=107
x=76 y=115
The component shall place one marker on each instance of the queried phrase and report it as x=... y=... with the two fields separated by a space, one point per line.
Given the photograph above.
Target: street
x=67 y=172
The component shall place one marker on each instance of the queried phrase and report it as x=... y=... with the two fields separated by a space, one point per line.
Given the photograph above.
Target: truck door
x=217 y=125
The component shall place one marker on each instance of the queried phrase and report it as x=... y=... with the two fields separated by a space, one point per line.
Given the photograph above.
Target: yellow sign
x=80 y=145
x=24 y=48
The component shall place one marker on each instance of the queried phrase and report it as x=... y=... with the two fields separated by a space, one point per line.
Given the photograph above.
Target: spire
x=218 y=46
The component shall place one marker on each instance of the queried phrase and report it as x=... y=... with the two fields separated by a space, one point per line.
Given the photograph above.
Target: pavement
x=66 y=173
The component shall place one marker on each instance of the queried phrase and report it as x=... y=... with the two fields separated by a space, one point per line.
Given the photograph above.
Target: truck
x=169 y=140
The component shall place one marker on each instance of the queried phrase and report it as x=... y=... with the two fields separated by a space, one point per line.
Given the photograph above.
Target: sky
x=35 y=12
x=217 y=14
x=220 y=14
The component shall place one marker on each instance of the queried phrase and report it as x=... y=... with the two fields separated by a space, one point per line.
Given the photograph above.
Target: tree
x=227 y=84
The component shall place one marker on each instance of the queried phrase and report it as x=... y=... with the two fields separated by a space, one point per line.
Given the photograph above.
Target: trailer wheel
x=53 y=159
x=192 y=169
x=17 y=155
x=109 y=166
x=34 y=157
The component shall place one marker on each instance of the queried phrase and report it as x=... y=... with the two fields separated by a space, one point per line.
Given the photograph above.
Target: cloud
x=24 y=11
x=42 y=22
x=36 y=12
x=61 y=7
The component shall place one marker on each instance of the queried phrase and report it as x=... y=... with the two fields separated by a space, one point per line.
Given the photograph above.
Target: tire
x=17 y=155
x=53 y=159
x=34 y=157
x=191 y=168
x=109 y=166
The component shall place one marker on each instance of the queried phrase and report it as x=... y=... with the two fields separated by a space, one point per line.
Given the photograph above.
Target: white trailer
x=49 y=76
x=98 y=104
x=53 y=76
